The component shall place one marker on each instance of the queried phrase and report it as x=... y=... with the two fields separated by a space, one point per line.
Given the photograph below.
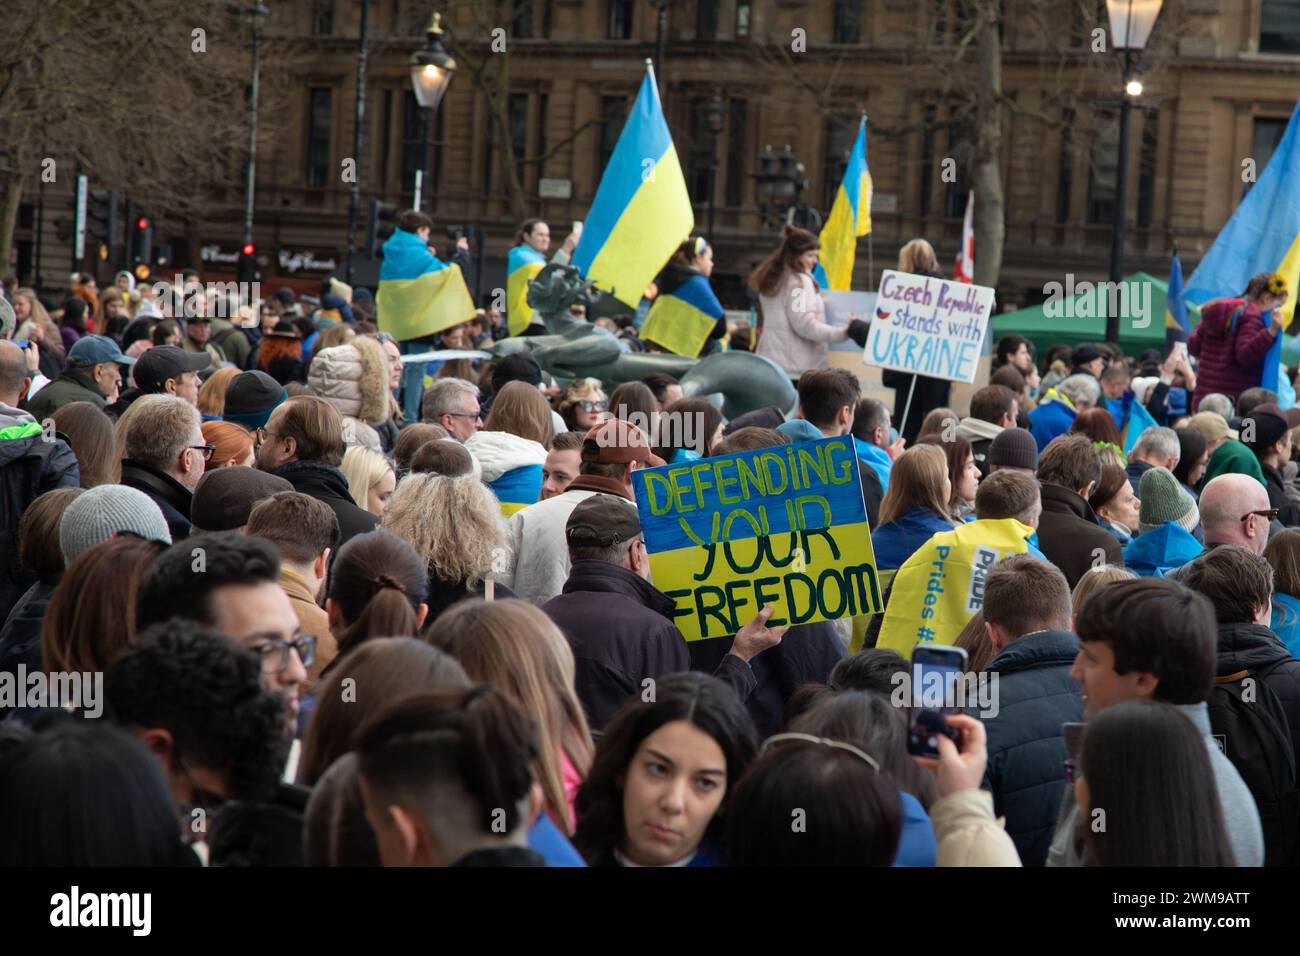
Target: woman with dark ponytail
x=377 y=588
x=794 y=331
x=447 y=780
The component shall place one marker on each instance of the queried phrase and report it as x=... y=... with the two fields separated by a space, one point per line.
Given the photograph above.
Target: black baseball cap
x=158 y=364
x=602 y=521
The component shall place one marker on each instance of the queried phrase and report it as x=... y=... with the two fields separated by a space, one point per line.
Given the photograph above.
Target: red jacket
x=1231 y=361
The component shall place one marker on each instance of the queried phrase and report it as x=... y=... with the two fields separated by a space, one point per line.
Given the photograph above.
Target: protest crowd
x=347 y=610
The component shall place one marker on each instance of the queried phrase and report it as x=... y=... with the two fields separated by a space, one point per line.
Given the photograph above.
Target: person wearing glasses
x=1235 y=510
x=584 y=405
x=166 y=455
x=231 y=582
x=660 y=784
x=454 y=404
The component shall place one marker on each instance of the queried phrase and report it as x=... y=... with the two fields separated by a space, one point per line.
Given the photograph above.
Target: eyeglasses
x=261 y=435
x=1269 y=513
x=590 y=407
x=824 y=742
x=472 y=416
x=206 y=449
x=304 y=645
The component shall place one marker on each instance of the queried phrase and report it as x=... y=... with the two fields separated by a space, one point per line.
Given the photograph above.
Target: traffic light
x=102 y=215
x=246 y=270
x=383 y=220
x=141 y=239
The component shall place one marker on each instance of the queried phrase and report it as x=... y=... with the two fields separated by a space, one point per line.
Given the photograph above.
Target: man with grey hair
x=453 y=403
x=1056 y=413
x=1218 y=403
x=1235 y=510
x=1155 y=448
x=165 y=456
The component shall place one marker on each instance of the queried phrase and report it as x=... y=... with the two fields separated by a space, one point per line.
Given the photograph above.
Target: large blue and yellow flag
x=681 y=320
x=642 y=210
x=419 y=294
x=1175 y=307
x=522 y=266
x=850 y=218
x=1263 y=235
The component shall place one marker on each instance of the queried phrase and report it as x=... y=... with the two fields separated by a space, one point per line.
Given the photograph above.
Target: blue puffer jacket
x=1154 y=553
x=1026 y=769
x=1051 y=418
x=897 y=541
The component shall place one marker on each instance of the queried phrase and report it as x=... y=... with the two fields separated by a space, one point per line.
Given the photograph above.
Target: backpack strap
x=1232 y=678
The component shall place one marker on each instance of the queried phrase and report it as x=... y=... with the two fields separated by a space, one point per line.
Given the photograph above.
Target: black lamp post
x=258 y=12
x=1131 y=22
x=431 y=71
x=358 y=129
x=715 y=112
x=661 y=35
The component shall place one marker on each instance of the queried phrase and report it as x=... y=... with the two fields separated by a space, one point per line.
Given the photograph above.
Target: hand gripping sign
x=784 y=526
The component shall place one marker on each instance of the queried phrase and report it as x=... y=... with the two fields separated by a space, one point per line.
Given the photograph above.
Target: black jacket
x=1255 y=648
x=172 y=498
x=248 y=833
x=1288 y=512
x=443 y=594
x=20 y=638
x=621 y=632
x=1135 y=470
x=1069 y=535
x=1026 y=768
x=326 y=483
x=873 y=493
x=29 y=467
x=930 y=393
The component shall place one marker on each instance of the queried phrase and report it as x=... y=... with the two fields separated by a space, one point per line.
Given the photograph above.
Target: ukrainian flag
x=1175 y=307
x=522 y=266
x=419 y=294
x=1263 y=235
x=850 y=218
x=642 y=210
x=680 y=321
x=517 y=488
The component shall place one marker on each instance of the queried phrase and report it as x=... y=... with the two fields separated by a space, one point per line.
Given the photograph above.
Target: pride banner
x=784 y=526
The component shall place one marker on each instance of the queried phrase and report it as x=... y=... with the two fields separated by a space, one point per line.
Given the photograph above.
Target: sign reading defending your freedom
x=784 y=526
x=929 y=326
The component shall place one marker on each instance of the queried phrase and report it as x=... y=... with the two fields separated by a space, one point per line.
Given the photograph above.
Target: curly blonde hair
x=452 y=523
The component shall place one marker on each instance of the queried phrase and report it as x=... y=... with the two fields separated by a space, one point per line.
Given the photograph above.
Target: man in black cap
x=1088 y=358
x=620 y=625
x=165 y=370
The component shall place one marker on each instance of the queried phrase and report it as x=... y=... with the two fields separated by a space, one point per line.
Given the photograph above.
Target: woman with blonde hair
x=915 y=394
x=371 y=479
x=517 y=648
x=454 y=526
x=33 y=323
x=915 y=507
x=584 y=405
x=232 y=445
x=212 y=394
x=519 y=408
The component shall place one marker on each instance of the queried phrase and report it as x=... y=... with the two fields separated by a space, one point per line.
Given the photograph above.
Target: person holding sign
x=686 y=318
x=917 y=258
x=794 y=332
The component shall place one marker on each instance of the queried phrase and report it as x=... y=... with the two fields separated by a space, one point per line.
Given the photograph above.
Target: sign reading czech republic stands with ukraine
x=929 y=326
x=784 y=526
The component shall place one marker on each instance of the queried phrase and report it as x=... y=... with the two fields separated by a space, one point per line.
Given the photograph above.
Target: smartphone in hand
x=937 y=669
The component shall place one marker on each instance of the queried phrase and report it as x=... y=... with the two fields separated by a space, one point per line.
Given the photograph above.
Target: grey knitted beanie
x=105 y=510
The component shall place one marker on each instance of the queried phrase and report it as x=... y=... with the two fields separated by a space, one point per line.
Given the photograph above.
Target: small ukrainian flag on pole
x=642 y=210
x=850 y=218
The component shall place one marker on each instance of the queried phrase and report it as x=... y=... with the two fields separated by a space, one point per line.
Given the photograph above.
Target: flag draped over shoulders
x=419 y=294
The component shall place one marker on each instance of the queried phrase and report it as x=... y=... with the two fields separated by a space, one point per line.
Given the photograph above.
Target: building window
x=318 y=136
x=620 y=19
x=1264 y=141
x=737 y=154
x=1279 y=26
x=1103 y=165
x=518 y=107
x=960 y=136
x=847 y=27
x=706 y=19
x=532 y=19
x=613 y=113
x=322 y=18
x=1065 y=169
x=1147 y=169
x=840 y=133
x=539 y=148
x=744 y=13
x=697 y=172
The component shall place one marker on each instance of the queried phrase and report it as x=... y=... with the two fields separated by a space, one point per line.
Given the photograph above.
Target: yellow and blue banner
x=850 y=218
x=1175 y=306
x=941 y=586
x=784 y=526
x=680 y=321
x=522 y=265
x=517 y=488
x=419 y=294
x=1263 y=235
x=642 y=210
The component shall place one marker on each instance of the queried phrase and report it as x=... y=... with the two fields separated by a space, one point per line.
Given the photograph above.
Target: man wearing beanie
x=1266 y=431
x=224 y=498
x=1168 y=521
x=1014 y=449
x=251 y=398
x=104 y=512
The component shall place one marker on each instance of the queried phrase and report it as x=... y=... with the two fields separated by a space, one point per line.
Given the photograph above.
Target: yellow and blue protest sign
x=941 y=586
x=522 y=265
x=784 y=526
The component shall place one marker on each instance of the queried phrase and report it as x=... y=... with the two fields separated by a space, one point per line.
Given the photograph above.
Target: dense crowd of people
x=341 y=615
